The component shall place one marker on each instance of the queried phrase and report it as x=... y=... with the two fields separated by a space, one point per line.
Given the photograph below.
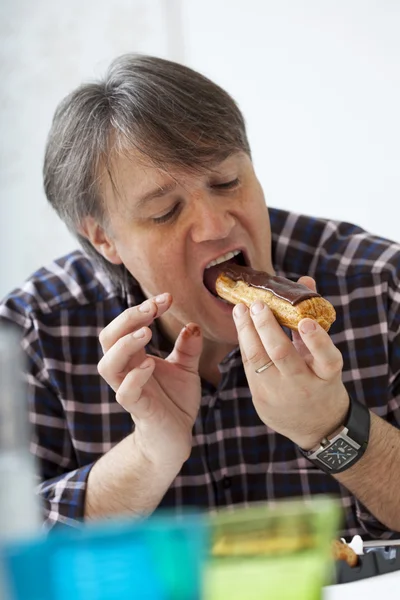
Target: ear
x=100 y=240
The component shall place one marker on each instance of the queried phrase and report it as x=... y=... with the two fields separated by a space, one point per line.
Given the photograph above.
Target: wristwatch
x=344 y=449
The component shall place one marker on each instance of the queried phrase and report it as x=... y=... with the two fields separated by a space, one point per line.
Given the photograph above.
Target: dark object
x=347 y=447
x=377 y=561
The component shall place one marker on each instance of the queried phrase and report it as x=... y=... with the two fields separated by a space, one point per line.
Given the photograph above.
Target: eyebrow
x=157 y=193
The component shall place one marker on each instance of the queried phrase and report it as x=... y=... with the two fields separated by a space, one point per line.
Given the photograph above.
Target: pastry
x=289 y=301
x=341 y=551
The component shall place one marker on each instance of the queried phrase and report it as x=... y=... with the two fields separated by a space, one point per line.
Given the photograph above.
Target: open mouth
x=211 y=273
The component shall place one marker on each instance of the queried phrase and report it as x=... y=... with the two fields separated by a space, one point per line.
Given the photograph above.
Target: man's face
x=167 y=227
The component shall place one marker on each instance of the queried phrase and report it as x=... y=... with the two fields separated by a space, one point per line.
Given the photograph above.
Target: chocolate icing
x=280 y=286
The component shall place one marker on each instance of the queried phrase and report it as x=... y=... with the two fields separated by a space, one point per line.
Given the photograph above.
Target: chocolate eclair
x=289 y=301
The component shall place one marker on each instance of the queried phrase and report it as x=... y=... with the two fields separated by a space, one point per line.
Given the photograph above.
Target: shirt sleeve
x=62 y=485
x=394 y=354
x=374 y=528
x=61 y=481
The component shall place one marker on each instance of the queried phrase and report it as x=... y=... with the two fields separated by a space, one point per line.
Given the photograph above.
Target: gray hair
x=174 y=116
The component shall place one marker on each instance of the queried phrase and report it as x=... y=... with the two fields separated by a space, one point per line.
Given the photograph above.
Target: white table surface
x=385 y=587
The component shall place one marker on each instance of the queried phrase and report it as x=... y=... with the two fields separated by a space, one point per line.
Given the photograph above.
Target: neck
x=211 y=357
x=212 y=354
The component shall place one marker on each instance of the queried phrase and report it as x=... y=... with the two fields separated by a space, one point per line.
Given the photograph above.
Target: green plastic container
x=275 y=553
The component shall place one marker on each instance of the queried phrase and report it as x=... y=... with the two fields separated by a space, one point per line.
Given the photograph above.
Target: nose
x=211 y=219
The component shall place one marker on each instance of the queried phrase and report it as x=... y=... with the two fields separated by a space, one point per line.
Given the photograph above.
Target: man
x=151 y=169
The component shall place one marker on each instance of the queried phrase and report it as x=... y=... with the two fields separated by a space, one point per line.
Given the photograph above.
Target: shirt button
x=226 y=482
x=217 y=405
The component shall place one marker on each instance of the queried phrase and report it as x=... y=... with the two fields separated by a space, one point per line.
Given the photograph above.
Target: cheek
x=254 y=212
x=258 y=209
x=155 y=261
x=252 y=200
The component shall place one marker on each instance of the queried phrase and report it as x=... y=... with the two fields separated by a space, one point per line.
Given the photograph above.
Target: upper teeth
x=223 y=258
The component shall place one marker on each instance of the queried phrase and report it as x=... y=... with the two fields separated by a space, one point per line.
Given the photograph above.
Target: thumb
x=296 y=337
x=187 y=349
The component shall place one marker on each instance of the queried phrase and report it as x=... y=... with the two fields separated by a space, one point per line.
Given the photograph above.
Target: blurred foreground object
x=159 y=558
x=19 y=507
x=280 y=553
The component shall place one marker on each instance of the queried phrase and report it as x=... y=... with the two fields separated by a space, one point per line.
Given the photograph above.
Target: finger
x=187 y=350
x=130 y=393
x=134 y=318
x=127 y=353
x=308 y=282
x=325 y=359
x=298 y=342
x=277 y=344
x=254 y=355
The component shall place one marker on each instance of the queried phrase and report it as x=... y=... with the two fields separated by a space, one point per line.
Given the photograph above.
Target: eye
x=168 y=216
x=228 y=185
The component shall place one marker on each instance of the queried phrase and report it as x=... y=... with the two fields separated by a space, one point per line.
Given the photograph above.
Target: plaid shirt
x=236 y=459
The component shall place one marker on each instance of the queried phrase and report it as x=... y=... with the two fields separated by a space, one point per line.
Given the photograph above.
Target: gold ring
x=265 y=367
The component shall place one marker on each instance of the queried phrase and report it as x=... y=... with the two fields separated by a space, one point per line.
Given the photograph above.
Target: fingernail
x=146 y=364
x=161 y=298
x=145 y=307
x=191 y=330
x=239 y=310
x=139 y=333
x=307 y=326
x=257 y=307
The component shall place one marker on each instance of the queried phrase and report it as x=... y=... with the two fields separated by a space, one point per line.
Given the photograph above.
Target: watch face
x=338 y=455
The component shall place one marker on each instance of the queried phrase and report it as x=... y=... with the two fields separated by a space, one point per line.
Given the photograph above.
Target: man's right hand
x=163 y=396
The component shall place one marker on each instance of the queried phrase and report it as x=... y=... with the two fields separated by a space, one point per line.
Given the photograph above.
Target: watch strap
x=358 y=422
x=355 y=429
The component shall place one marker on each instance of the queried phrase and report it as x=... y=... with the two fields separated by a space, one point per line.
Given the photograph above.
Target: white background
x=318 y=82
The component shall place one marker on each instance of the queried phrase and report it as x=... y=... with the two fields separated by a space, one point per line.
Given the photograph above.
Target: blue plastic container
x=160 y=558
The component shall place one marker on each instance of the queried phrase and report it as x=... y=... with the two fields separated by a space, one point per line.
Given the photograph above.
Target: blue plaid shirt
x=236 y=459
